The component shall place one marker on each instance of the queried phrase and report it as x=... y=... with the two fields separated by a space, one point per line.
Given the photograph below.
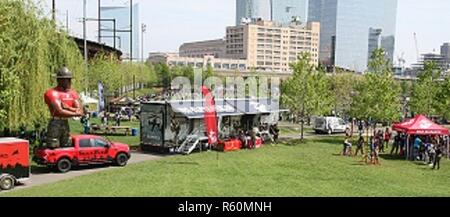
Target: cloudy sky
x=172 y=22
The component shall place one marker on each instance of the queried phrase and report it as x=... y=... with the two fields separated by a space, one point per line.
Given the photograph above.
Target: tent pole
x=407 y=147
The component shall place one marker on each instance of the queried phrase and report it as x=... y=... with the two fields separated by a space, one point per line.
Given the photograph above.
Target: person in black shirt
x=360 y=146
x=396 y=144
x=437 y=157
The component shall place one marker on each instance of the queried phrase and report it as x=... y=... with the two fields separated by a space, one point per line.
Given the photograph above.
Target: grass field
x=313 y=168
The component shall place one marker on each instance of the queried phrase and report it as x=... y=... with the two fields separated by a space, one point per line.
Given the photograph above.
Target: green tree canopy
x=378 y=95
x=307 y=92
x=425 y=91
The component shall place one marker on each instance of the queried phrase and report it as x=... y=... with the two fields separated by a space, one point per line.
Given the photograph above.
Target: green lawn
x=133 y=141
x=309 y=169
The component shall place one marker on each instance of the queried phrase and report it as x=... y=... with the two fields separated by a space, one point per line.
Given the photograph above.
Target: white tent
x=90 y=102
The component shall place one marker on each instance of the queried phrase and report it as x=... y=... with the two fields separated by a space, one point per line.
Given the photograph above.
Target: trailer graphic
x=14 y=162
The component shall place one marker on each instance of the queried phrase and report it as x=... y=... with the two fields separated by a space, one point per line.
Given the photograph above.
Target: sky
x=170 y=23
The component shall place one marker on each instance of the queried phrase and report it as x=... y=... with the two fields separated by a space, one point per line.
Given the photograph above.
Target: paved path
x=41 y=175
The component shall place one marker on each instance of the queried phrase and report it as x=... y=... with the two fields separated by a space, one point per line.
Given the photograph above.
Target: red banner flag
x=210 y=116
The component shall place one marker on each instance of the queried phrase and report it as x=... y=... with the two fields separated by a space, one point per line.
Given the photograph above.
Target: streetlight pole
x=131 y=30
x=54 y=10
x=143 y=28
x=134 y=86
x=114 y=28
x=85 y=42
x=99 y=22
x=67 y=21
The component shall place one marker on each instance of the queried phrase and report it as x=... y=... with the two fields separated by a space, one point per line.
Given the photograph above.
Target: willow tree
x=31 y=50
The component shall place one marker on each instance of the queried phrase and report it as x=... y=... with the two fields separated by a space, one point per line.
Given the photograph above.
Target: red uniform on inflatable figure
x=63 y=104
x=67 y=99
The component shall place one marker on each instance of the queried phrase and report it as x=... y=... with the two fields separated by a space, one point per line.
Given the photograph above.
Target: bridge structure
x=95 y=48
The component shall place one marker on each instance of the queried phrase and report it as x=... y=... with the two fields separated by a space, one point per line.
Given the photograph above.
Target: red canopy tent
x=419 y=125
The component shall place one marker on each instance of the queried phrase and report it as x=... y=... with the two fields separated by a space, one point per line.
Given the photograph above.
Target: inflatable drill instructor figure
x=63 y=104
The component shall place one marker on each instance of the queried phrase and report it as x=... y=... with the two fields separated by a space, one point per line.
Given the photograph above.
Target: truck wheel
x=121 y=159
x=7 y=183
x=64 y=165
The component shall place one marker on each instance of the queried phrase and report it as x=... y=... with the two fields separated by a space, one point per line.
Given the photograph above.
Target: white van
x=329 y=125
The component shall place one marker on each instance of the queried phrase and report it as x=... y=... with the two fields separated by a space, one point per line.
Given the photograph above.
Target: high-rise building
x=283 y=11
x=440 y=61
x=263 y=46
x=253 y=10
x=270 y=47
x=121 y=14
x=374 y=40
x=346 y=39
x=445 y=51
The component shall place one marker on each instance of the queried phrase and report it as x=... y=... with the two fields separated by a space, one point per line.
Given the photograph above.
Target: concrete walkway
x=41 y=175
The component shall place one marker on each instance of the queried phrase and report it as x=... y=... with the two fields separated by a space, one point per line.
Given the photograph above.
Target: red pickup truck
x=84 y=150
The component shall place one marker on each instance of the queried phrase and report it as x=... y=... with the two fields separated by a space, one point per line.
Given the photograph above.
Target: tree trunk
x=302 y=122
x=351 y=130
x=301 y=129
x=367 y=134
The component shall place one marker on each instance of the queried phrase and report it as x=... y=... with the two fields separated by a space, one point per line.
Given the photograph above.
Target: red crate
x=258 y=142
x=230 y=145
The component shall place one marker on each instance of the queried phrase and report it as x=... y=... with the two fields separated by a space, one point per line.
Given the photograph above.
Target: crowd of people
x=428 y=149
x=248 y=137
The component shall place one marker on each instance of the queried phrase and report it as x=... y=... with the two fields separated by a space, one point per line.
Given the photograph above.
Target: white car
x=330 y=125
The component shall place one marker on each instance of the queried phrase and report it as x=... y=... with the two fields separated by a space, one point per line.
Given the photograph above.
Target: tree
x=343 y=90
x=442 y=99
x=31 y=50
x=425 y=91
x=377 y=96
x=307 y=92
x=406 y=88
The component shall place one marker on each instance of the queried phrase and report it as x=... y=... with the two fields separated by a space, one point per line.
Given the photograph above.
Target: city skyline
x=171 y=23
x=352 y=29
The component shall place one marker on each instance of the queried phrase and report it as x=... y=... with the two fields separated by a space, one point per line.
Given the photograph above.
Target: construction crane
x=401 y=60
x=417 y=47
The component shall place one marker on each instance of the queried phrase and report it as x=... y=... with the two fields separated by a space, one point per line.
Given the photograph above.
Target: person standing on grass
x=347 y=147
x=360 y=146
x=396 y=144
x=416 y=148
x=105 y=119
x=374 y=150
x=380 y=141
x=402 y=144
x=431 y=153
x=438 y=156
x=387 y=138
x=118 y=119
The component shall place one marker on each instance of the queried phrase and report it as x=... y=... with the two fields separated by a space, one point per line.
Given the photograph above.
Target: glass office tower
x=351 y=29
x=253 y=9
x=284 y=10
